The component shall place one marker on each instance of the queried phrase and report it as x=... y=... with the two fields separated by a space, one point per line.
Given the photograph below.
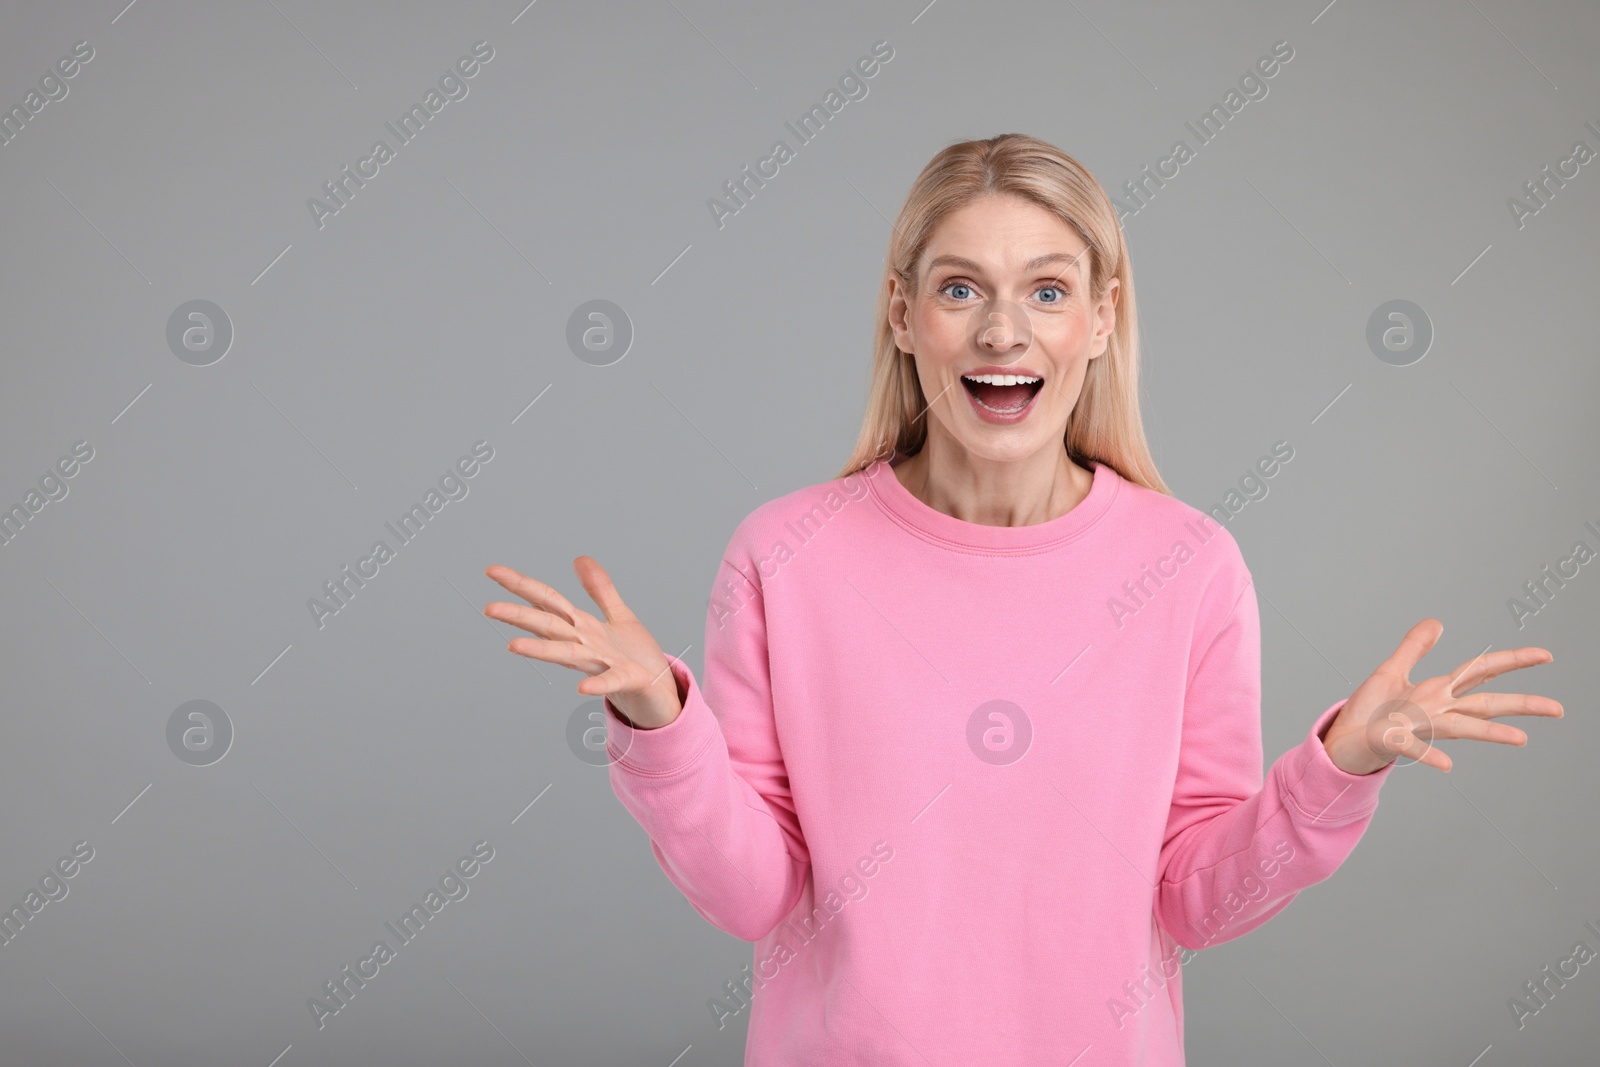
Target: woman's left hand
x=1388 y=716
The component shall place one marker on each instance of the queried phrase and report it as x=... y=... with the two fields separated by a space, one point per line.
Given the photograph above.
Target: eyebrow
x=1032 y=264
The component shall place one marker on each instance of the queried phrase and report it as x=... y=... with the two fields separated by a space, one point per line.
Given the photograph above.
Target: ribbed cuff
x=667 y=749
x=1318 y=789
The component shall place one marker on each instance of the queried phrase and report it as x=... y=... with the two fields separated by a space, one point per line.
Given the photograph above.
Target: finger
x=1481 y=668
x=534 y=592
x=532 y=620
x=1403 y=742
x=1416 y=644
x=597 y=583
x=562 y=653
x=606 y=683
x=628 y=675
x=1468 y=728
x=1493 y=705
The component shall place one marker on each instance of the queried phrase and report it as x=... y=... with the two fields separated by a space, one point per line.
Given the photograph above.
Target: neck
x=1019 y=492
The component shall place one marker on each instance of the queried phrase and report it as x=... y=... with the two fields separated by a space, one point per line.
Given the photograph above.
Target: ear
x=1105 y=313
x=899 y=314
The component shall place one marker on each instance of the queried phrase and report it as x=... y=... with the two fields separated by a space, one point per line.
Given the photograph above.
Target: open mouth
x=1003 y=394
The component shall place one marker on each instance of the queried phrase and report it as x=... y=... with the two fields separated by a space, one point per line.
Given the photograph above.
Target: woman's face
x=1003 y=290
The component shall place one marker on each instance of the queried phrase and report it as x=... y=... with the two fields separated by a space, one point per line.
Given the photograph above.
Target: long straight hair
x=1105 y=424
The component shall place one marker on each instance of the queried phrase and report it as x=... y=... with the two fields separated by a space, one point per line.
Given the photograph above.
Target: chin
x=1012 y=447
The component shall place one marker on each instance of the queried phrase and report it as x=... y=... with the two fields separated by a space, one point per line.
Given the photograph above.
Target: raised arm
x=1238 y=847
x=709 y=786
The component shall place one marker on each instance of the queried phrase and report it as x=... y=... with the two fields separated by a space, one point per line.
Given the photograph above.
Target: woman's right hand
x=622 y=660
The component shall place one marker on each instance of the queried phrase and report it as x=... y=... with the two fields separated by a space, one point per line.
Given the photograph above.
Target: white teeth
x=1001 y=379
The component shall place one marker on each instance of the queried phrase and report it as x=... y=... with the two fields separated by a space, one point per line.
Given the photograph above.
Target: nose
x=1004 y=331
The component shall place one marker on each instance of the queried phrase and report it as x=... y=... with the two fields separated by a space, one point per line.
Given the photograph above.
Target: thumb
x=601 y=685
x=597 y=583
x=1418 y=641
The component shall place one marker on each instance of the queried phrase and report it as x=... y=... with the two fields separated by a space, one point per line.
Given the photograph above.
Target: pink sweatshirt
x=969 y=788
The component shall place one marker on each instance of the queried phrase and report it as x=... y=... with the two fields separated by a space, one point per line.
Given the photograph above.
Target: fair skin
x=980 y=305
x=997 y=313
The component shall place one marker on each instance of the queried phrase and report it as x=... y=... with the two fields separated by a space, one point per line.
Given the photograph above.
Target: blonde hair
x=1105 y=424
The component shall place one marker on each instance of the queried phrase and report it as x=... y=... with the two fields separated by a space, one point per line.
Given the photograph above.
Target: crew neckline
x=901 y=505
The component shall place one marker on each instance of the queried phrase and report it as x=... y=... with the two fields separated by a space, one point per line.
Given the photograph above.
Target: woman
x=979 y=745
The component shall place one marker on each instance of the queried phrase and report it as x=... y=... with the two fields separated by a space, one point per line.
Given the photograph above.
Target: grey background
x=428 y=314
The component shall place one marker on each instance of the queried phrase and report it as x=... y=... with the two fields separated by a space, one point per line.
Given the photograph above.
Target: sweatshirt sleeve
x=710 y=787
x=1238 y=847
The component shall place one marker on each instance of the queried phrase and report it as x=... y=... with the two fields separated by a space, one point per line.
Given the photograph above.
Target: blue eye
x=954 y=291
